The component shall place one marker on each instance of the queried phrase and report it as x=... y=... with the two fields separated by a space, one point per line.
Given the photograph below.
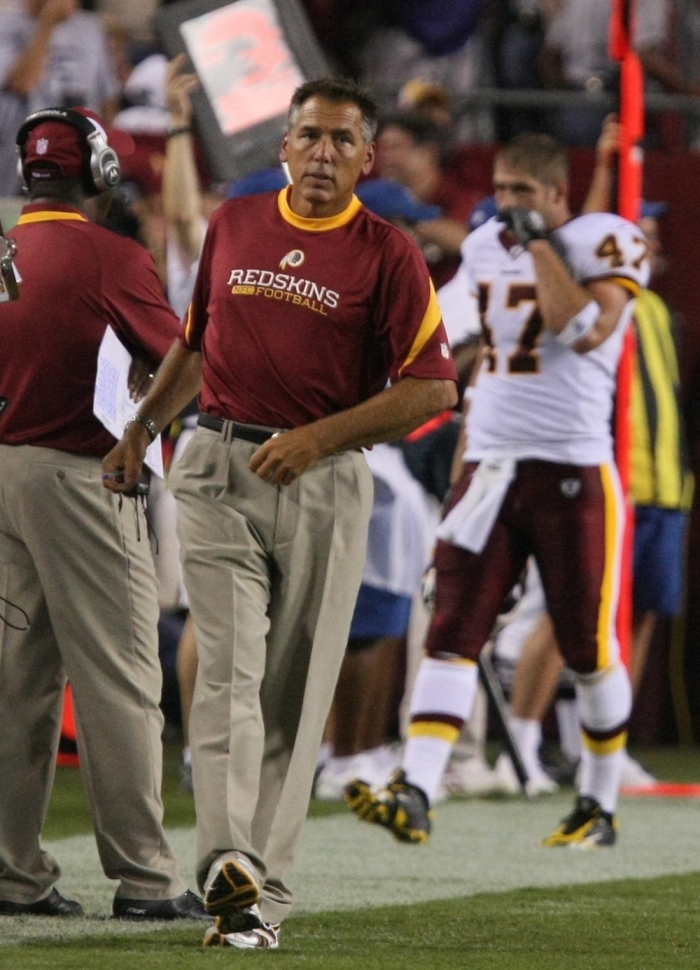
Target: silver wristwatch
x=148 y=423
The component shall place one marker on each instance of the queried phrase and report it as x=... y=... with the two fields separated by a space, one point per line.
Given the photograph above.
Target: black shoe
x=52 y=905
x=185 y=906
x=587 y=827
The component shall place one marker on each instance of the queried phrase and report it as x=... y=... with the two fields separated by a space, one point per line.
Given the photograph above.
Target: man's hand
x=54 y=12
x=282 y=459
x=141 y=374
x=525 y=224
x=122 y=466
x=178 y=88
x=608 y=144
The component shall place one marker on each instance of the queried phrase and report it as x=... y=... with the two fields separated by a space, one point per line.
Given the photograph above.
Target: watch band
x=148 y=423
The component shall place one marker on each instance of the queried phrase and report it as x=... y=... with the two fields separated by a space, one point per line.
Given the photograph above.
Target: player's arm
x=567 y=307
x=177 y=381
x=388 y=416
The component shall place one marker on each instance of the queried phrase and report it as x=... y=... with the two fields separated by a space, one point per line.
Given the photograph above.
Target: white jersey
x=534 y=397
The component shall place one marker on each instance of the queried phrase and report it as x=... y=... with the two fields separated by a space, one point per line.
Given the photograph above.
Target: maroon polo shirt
x=301 y=318
x=77 y=278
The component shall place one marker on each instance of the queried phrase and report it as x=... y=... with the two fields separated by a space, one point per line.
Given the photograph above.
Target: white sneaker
x=264 y=937
x=539 y=783
x=633 y=775
x=231 y=894
x=472 y=776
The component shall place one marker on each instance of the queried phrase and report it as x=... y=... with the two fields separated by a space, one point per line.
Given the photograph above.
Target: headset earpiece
x=101 y=167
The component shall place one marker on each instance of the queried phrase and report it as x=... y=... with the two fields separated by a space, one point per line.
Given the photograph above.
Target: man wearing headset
x=77 y=584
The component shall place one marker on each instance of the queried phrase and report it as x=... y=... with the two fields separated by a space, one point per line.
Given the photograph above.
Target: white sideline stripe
x=478 y=846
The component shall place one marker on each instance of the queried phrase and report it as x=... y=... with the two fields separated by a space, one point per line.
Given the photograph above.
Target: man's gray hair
x=340 y=90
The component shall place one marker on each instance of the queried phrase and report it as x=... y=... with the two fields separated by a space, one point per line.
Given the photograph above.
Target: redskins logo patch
x=570 y=487
x=293 y=259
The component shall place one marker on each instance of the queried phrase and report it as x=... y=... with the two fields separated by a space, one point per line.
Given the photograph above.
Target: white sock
x=187 y=756
x=600 y=777
x=569 y=729
x=424 y=762
x=442 y=700
x=528 y=737
x=605 y=702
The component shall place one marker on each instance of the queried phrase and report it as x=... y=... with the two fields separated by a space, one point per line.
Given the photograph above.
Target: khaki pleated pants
x=79 y=600
x=272 y=575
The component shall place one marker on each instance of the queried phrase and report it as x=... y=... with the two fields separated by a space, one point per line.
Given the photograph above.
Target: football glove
x=525 y=224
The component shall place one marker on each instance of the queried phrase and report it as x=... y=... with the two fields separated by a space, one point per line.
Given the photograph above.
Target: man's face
x=398 y=156
x=326 y=155
x=513 y=187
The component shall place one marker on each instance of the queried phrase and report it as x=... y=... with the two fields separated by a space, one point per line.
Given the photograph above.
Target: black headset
x=101 y=168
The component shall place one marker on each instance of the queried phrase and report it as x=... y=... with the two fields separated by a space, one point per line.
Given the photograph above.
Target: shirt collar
x=50 y=211
x=316 y=225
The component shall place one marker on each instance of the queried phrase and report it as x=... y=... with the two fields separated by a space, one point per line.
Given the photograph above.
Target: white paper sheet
x=112 y=405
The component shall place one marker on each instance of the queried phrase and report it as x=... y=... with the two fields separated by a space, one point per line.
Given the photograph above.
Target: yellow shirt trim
x=49 y=216
x=316 y=225
x=429 y=324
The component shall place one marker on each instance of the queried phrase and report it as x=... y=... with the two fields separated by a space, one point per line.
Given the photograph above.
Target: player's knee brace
x=605 y=699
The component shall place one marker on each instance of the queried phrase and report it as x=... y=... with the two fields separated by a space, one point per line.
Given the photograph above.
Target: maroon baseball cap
x=56 y=149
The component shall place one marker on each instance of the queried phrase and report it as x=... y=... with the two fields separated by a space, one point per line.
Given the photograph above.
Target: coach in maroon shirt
x=305 y=305
x=76 y=575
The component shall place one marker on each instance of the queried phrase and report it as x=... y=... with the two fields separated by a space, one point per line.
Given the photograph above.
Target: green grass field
x=481 y=895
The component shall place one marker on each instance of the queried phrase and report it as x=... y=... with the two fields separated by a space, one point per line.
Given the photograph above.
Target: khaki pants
x=80 y=567
x=272 y=575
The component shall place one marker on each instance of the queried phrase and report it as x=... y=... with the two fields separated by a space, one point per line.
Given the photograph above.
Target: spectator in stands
x=441 y=40
x=412 y=149
x=576 y=56
x=52 y=54
x=432 y=98
x=518 y=45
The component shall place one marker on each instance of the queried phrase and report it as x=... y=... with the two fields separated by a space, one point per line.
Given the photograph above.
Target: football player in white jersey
x=555 y=296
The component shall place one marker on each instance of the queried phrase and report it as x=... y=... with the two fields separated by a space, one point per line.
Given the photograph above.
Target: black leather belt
x=245 y=431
